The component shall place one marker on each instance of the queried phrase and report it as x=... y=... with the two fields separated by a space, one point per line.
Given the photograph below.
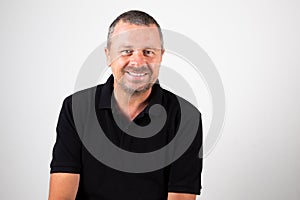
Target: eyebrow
x=131 y=47
x=125 y=47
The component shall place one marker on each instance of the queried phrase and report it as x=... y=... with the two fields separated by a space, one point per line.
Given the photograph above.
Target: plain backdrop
x=254 y=45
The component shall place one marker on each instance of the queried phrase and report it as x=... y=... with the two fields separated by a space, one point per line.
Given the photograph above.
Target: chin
x=137 y=90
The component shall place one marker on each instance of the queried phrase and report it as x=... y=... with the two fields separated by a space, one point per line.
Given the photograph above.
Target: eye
x=126 y=52
x=149 y=52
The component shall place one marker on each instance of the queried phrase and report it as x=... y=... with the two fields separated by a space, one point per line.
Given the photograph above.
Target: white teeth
x=136 y=74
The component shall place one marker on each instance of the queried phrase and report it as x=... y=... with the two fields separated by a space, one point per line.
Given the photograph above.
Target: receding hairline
x=119 y=26
x=134 y=17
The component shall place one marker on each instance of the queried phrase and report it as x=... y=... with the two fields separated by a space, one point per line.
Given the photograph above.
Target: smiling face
x=134 y=55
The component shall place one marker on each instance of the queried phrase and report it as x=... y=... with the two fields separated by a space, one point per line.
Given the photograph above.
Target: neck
x=130 y=104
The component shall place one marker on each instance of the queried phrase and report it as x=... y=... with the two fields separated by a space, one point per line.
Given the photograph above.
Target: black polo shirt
x=100 y=182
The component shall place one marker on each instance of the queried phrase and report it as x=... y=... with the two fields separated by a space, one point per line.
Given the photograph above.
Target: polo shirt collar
x=107 y=91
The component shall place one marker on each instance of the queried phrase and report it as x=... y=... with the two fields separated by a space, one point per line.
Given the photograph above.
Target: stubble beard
x=145 y=85
x=135 y=91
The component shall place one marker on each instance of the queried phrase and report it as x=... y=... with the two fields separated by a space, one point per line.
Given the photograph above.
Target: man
x=134 y=53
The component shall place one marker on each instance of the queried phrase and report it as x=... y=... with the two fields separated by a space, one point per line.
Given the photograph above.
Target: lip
x=136 y=74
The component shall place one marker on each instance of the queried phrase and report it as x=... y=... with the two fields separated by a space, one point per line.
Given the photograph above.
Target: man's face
x=134 y=56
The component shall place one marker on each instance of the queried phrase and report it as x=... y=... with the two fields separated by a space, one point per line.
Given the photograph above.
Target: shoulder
x=174 y=101
x=79 y=103
x=87 y=93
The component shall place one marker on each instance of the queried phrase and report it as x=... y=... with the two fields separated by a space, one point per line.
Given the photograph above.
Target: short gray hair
x=134 y=17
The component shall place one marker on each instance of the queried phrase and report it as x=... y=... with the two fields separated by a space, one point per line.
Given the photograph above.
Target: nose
x=137 y=58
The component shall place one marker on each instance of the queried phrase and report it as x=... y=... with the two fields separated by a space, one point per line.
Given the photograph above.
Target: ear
x=162 y=53
x=108 y=58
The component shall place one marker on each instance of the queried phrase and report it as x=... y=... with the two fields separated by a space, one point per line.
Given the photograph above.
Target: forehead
x=139 y=36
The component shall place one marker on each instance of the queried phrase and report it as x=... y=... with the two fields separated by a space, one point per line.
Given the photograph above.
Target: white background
x=255 y=46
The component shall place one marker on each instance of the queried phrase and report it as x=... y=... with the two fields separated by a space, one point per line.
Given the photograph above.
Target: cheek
x=118 y=65
x=122 y=62
x=155 y=62
x=155 y=66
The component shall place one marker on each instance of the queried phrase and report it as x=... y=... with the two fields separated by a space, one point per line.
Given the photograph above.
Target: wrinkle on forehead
x=134 y=36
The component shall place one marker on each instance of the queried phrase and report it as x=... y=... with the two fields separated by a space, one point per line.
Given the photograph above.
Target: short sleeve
x=66 y=155
x=185 y=172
